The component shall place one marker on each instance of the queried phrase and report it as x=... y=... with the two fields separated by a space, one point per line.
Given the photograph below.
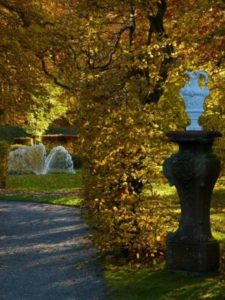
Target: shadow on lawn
x=163 y=285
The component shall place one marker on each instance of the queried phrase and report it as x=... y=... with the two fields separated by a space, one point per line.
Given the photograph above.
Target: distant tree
x=30 y=35
x=44 y=111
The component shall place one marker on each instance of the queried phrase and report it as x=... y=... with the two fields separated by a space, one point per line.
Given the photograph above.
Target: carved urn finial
x=194 y=97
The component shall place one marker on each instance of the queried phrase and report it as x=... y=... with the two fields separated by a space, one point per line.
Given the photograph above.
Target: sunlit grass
x=61 y=189
x=45 y=183
x=44 y=198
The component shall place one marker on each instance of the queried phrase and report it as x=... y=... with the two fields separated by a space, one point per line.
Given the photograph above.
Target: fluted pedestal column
x=193 y=170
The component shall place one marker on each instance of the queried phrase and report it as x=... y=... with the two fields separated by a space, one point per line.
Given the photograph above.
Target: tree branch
x=132 y=23
x=157 y=27
x=103 y=67
x=51 y=76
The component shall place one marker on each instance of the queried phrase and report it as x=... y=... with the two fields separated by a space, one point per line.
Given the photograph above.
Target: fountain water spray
x=33 y=160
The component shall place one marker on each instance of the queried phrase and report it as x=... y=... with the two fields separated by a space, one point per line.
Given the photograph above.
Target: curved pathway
x=45 y=254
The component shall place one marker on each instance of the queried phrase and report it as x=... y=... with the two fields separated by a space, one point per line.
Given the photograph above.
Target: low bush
x=134 y=229
x=26 y=141
x=77 y=161
x=10 y=132
x=118 y=168
x=4 y=152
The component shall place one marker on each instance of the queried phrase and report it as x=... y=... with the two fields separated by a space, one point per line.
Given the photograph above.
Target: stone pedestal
x=193 y=170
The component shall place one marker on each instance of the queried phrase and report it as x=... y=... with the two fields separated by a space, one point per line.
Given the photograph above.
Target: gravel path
x=45 y=254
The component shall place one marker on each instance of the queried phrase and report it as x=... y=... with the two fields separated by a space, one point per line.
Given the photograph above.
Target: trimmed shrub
x=77 y=161
x=27 y=141
x=10 y=132
x=4 y=152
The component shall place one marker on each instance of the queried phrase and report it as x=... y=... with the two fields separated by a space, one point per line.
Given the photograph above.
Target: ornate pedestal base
x=193 y=257
x=194 y=171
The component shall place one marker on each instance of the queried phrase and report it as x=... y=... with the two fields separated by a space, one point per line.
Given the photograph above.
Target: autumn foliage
x=114 y=70
x=132 y=78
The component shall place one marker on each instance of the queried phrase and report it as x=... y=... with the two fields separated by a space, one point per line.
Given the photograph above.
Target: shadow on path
x=45 y=254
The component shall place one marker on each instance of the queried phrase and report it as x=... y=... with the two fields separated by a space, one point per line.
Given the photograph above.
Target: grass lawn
x=127 y=283
x=63 y=189
x=45 y=183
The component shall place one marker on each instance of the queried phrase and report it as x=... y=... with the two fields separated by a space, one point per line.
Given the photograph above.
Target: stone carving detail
x=194 y=97
x=179 y=167
x=184 y=166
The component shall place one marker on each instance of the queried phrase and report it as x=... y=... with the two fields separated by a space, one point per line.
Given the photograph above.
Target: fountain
x=33 y=160
x=58 y=160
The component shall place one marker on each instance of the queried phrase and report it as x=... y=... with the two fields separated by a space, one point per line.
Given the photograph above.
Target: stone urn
x=194 y=97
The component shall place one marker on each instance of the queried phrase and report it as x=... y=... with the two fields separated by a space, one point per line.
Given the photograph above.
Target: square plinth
x=193 y=257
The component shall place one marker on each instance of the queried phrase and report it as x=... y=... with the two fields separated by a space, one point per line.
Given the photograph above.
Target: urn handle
x=193 y=75
x=203 y=74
